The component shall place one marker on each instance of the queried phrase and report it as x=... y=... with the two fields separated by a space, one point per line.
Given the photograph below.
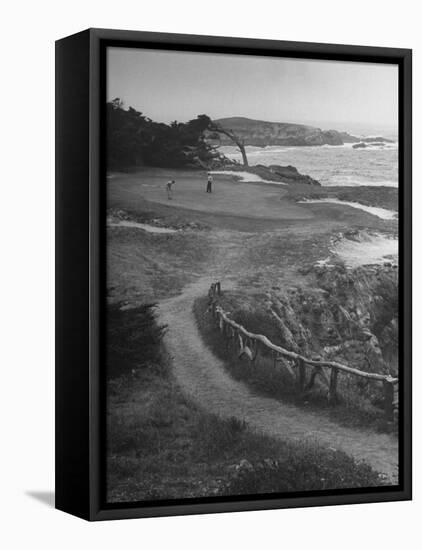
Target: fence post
x=221 y=323
x=332 y=392
x=240 y=344
x=235 y=340
x=300 y=376
x=388 y=400
x=311 y=382
x=254 y=347
x=255 y=353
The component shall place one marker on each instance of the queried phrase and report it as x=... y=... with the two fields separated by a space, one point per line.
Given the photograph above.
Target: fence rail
x=250 y=345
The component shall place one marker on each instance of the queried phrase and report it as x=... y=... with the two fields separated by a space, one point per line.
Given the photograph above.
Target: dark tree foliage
x=134 y=140
x=133 y=339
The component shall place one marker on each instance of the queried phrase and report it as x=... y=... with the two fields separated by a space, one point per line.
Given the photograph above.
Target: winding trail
x=203 y=376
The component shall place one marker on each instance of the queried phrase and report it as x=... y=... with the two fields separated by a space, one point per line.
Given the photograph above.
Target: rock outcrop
x=377 y=140
x=275 y=173
x=290 y=174
x=346 y=315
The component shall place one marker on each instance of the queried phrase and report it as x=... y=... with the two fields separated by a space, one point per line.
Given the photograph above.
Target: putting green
x=229 y=197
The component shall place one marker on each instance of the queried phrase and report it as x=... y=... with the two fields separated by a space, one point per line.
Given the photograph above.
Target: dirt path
x=203 y=377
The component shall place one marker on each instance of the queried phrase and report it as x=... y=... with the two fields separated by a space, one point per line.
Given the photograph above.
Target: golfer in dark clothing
x=209 y=183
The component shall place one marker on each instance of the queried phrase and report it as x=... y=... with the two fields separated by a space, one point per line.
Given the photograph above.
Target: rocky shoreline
x=273 y=173
x=302 y=187
x=259 y=133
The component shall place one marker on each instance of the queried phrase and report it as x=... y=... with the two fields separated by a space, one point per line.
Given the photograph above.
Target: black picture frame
x=80 y=272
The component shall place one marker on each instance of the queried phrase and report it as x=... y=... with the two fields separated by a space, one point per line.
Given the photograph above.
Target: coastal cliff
x=261 y=133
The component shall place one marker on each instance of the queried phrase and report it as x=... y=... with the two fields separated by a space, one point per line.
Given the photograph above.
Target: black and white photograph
x=210 y=229
x=252 y=273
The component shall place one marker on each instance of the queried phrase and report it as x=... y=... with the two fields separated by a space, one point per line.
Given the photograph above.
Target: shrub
x=133 y=339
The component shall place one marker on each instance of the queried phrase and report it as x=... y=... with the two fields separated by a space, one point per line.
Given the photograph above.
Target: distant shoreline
x=260 y=133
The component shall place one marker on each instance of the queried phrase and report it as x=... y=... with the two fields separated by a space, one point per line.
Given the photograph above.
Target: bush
x=133 y=339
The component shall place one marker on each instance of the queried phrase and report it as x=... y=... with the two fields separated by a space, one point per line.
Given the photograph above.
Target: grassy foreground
x=161 y=445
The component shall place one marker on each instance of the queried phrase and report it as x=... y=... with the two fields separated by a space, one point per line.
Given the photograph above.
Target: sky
x=167 y=86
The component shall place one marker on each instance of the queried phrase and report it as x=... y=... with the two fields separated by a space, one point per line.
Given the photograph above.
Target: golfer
x=209 y=183
x=169 y=187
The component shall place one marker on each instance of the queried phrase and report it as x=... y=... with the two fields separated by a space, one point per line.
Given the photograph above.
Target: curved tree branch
x=215 y=127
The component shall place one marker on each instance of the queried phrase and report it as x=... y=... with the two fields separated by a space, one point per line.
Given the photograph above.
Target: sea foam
x=373 y=249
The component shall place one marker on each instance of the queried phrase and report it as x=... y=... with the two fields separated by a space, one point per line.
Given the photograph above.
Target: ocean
x=331 y=165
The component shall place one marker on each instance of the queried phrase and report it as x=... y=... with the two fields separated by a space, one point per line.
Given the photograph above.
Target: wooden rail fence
x=250 y=346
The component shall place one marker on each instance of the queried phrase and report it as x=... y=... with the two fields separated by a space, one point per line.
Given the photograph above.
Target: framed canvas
x=233 y=274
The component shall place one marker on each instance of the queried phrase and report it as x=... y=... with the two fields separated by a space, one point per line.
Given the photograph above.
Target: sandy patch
x=144 y=226
x=382 y=213
x=244 y=176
